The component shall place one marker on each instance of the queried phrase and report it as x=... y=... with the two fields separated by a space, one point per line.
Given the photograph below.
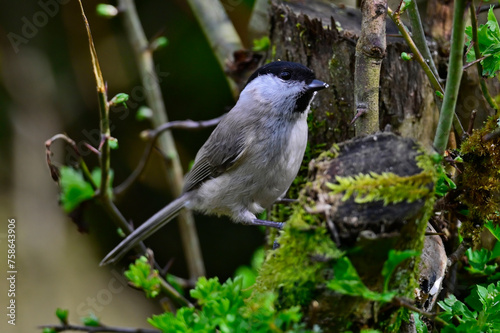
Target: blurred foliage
x=229 y=308
x=485 y=305
x=142 y=276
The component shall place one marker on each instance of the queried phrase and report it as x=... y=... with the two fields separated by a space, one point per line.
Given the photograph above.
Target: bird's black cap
x=296 y=71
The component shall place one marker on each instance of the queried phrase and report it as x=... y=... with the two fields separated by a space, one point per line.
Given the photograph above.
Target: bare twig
x=459 y=252
x=434 y=80
x=184 y=124
x=406 y=304
x=471 y=122
x=175 y=176
x=153 y=136
x=95 y=329
x=477 y=52
x=120 y=220
x=104 y=157
x=466 y=66
x=54 y=171
x=490 y=136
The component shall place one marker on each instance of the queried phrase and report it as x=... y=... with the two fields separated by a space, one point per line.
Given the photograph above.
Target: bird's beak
x=316 y=85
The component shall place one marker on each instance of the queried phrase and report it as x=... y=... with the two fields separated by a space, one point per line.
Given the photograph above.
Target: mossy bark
x=299 y=268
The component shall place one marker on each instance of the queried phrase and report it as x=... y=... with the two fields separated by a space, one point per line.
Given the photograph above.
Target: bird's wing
x=223 y=149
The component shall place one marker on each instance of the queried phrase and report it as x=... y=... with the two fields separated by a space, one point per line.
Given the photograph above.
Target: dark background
x=47 y=87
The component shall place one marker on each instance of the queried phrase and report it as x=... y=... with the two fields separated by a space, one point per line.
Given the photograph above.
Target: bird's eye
x=285 y=75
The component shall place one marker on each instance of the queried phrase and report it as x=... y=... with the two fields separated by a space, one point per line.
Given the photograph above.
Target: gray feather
x=152 y=225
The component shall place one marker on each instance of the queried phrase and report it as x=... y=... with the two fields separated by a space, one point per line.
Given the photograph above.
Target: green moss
x=297 y=267
x=480 y=179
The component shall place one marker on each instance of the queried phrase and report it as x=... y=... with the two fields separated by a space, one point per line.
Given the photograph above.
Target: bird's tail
x=152 y=225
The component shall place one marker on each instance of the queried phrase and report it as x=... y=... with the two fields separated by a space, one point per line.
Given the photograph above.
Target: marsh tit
x=251 y=158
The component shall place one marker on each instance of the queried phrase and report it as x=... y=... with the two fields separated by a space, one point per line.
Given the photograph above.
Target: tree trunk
x=324 y=38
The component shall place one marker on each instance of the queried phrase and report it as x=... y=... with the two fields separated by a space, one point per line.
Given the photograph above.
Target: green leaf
x=489 y=45
x=486 y=303
x=96 y=177
x=143 y=277
x=495 y=253
x=107 y=11
x=494 y=229
x=478 y=260
x=393 y=260
x=228 y=308
x=120 y=98
x=144 y=113
x=49 y=330
x=405 y=56
x=348 y=282
x=261 y=44
x=405 y=5
x=74 y=189
x=62 y=315
x=91 y=320
x=113 y=143
x=159 y=43
x=439 y=94
x=420 y=326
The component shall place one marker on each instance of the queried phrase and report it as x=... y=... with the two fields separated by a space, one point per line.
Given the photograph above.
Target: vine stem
x=396 y=18
x=153 y=135
x=453 y=78
x=174 y=173
x=419 y=35
x=477 y=52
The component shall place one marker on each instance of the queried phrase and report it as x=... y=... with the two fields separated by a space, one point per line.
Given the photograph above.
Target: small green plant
x=249 y=273
x=485 y=305
x=262 y=44
x=75 y=189
x=348 y=282
x=62 y=314
x=229 y=308
x=91 y=320
x=489 y=45
x=480 y=260
x=142 y=276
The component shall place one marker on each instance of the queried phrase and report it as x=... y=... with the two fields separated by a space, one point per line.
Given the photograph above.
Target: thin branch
x=471 y=122
x=470 y=64
x=184 y=124
x=220 y=33
x=453 y=79
x=95 y=329
x=419 y=35
x=174 y=173
x=105 y=149
x=490 y=136
x=153 y=136
x=120 y=220
x=416 y=53
x=477 y=52
x=406 y=304
x=370 y=50
x=54 y=170
x=459 y=252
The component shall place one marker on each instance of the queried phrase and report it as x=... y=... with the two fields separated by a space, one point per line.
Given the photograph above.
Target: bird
x=250 y=159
